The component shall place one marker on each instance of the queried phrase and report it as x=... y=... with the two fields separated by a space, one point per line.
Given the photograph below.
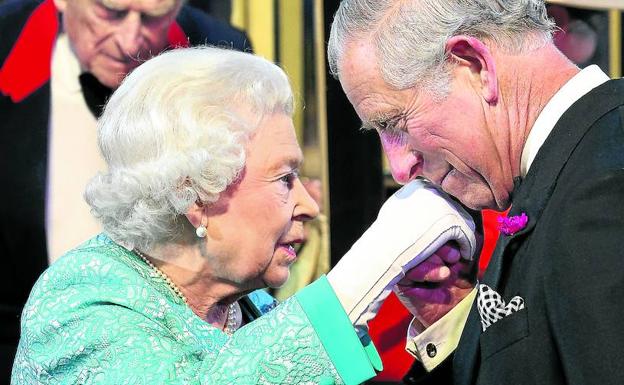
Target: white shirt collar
x=583 y=82
x=65 y=66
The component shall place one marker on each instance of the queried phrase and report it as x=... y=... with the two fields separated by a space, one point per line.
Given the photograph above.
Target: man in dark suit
x=475 y=97
x=59 y=62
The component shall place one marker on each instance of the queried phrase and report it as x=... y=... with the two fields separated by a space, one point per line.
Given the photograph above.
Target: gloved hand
x=413 y=223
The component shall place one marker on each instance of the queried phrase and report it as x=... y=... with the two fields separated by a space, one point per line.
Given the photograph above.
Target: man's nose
x=403 y=161
x=129 y=37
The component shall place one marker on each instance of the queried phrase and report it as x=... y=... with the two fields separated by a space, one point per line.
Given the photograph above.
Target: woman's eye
x=289 y=179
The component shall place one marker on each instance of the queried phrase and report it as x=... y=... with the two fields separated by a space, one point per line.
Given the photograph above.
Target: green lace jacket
x=100 y=315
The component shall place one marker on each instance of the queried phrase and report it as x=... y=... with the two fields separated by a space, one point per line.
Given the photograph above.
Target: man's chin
x=108 y=81
x=481 y=201
x=476 y=195
x=112 y=77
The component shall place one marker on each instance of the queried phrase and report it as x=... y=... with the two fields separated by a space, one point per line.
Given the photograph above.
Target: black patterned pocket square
x=492 y=307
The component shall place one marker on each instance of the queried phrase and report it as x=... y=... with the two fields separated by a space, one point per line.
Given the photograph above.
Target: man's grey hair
x=174 y=133
x=410 y=35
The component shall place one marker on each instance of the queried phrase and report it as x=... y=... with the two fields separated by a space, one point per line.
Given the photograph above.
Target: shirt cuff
x=354 y=358
x=438 y=341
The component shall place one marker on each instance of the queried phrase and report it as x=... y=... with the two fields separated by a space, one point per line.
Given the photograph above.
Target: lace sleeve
x=279 y=348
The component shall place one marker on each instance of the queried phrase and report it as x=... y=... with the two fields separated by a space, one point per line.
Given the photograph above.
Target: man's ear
x=475 y=56
x=61 y=5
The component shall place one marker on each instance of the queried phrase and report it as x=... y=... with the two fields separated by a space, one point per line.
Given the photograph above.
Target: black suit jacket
x=567 y=263
x=24 y=155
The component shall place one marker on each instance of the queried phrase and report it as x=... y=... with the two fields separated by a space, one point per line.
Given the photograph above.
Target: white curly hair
x=174 y=133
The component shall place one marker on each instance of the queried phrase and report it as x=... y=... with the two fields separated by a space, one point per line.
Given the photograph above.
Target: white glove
x=413 y=223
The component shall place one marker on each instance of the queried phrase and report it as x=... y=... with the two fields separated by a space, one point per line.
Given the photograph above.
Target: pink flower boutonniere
x=513 y=224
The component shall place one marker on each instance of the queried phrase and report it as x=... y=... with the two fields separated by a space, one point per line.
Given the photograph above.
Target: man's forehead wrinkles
x=150 y=7
x=112 y=4
x=378 y=107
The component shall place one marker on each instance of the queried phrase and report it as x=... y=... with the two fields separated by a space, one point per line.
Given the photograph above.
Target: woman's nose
x=306 y=207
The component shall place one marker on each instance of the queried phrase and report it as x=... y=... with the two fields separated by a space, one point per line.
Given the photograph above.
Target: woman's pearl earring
x=201 y=231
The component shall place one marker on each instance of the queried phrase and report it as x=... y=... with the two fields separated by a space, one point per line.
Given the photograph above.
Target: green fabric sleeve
x=354 y=359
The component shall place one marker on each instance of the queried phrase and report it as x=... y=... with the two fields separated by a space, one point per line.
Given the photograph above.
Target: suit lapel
x=533 y=193
x=531 y=197
x=467 y=354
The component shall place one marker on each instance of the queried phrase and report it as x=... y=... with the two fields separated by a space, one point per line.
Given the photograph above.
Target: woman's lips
x=289 y=249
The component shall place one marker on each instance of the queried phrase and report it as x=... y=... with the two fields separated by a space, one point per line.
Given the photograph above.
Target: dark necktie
x=95 y=93
x=517 y=181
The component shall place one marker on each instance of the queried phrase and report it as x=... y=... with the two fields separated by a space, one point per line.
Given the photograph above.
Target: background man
x=475 y=97
x=60 y=61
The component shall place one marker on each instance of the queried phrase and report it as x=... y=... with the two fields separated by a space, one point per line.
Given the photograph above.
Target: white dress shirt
x=73 y=156
x=434 y=344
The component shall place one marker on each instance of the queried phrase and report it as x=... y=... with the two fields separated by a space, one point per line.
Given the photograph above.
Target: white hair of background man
x=410 y=35
x=174 y=133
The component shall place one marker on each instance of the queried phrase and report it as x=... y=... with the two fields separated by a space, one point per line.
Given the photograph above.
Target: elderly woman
x=201 y=206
